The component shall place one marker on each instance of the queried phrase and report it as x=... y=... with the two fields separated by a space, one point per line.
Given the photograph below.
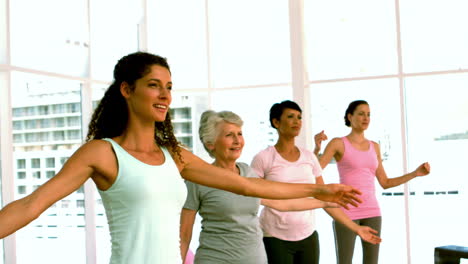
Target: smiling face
x=360 y=118
x=150 y=97
x=229 y=142
x=290 y=123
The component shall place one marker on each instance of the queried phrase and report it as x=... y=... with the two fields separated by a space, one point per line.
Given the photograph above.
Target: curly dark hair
x=111 y=115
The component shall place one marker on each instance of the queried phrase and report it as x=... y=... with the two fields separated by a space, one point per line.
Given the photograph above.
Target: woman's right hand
x=369 y=235
x=340 y=194
x=318 y=138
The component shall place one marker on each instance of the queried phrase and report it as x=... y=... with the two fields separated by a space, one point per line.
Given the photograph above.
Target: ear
x=349 y=117
x=125 y=90
x=276 y=123
x=210 y=146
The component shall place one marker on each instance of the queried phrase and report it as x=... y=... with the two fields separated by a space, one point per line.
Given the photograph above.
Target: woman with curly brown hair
x=135 y=161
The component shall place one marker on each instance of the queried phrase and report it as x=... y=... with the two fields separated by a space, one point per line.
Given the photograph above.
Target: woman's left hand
x=423 y=169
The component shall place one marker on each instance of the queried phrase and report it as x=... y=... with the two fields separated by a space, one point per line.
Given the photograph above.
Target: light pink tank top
x=357 y=168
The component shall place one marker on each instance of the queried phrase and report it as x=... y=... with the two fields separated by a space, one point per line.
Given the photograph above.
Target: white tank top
x=143 y=209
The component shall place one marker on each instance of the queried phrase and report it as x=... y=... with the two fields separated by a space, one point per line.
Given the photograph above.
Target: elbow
x=386 y=185
x=31 y=210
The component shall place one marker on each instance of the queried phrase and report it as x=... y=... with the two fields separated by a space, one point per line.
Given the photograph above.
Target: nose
x=164 y=93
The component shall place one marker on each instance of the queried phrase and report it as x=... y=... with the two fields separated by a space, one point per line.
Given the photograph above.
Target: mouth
x=160 y=106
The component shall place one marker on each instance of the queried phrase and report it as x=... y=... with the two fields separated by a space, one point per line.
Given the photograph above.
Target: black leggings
x=306 y=251
x=345 y=240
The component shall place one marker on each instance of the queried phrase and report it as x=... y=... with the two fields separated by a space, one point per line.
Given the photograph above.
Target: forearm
x=393 y=182
x=294 y=204
x=184 y=246
x=338 y=215
x=15 y=216
x=279 y=190
x=316 y=151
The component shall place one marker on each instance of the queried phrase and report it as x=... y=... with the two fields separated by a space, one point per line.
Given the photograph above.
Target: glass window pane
x=179 y=34
x=3 y=32
x=3 y=133
x=60 y=229
x=257 y=131
x=350 y=38
x=103 y=245
x=48 y=40
x=249 y=47
x=328 y=105
x=186 y=109
x=431 y=44
x=114 y=33
x=437 y=117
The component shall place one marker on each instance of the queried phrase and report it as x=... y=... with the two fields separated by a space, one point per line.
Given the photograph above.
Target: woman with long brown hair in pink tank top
x=359 y=162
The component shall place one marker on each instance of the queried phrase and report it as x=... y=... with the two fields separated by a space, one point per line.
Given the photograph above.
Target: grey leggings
x=345 y=240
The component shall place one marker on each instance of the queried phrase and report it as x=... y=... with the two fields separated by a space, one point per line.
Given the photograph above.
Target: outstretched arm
x=74 y=173
x=422 y=170
x=299 y=204
x=196 y=170
x=366 y=233
x=187 y=218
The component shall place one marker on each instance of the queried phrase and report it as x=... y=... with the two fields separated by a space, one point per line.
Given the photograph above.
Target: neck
x=225 y=164
x=285 y=144
x=138 y=136
x=357 y=135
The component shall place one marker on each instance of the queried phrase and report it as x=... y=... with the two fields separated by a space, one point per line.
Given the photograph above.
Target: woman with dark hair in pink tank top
x=359 y=161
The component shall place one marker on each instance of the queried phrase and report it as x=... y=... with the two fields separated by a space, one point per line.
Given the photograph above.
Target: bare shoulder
x=376 y=145
x=336 y=143
x=95 y=148
x=100 y=156
x=96 y=153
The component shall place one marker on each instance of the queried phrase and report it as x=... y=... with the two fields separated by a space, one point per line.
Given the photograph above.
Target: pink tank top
x=357 y=168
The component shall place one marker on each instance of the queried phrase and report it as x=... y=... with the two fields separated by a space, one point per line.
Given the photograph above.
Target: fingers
x=343 y=204
x=375 y=240
x=356 y=191
x=427 y=166
x=351 y=200
x=320 y=136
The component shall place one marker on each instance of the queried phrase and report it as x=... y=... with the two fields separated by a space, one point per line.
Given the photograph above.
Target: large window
x=438 y=133
x=50 y=40
x=350 y=38
x=37 y=152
